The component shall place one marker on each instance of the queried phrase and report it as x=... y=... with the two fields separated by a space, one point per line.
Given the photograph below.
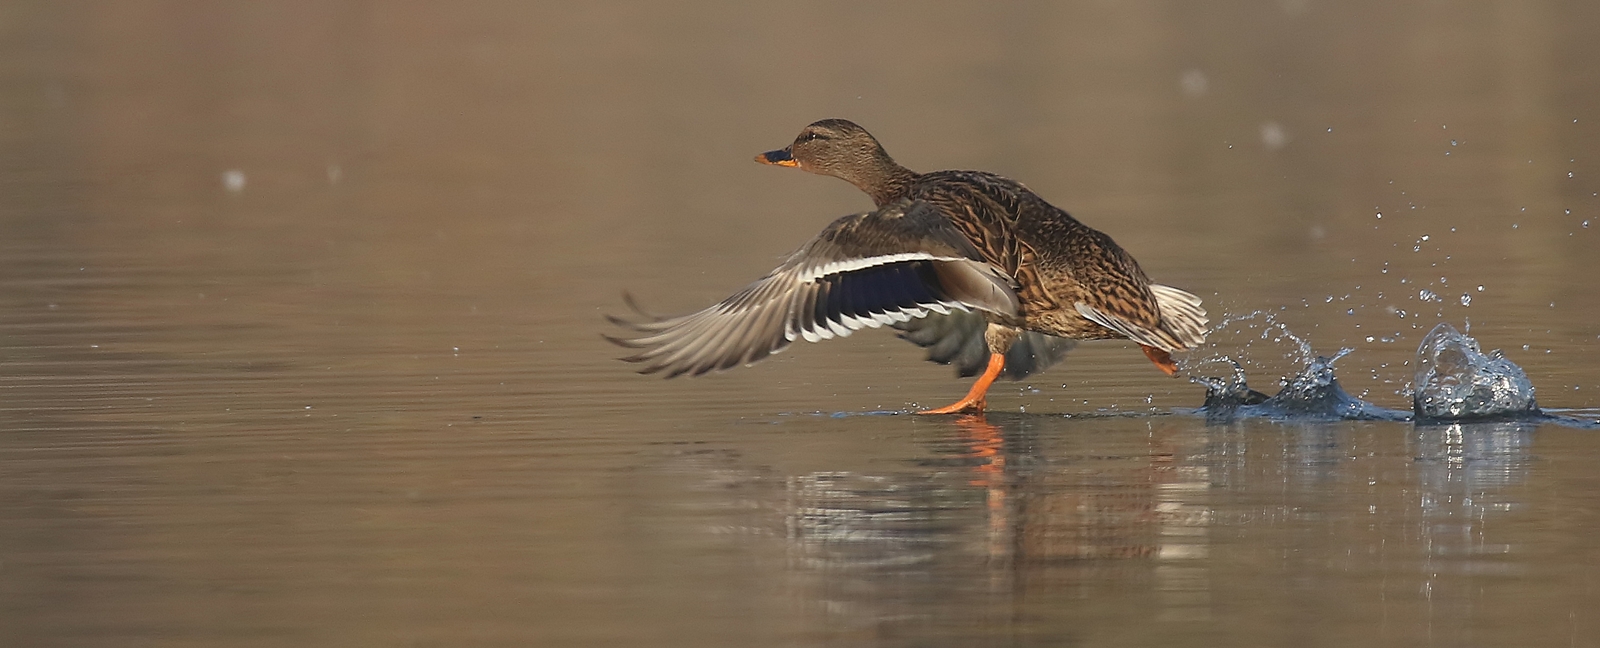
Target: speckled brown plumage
x=1056 y=261
x=967 y=263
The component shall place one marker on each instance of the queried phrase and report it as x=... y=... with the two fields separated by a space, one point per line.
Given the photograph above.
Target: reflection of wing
x=956 y=338
x=884 y=267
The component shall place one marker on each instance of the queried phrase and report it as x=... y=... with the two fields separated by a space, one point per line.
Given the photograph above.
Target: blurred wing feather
x=956 y=339
x=890 y=266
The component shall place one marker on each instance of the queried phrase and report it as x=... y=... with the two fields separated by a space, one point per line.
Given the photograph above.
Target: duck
x=976 y=267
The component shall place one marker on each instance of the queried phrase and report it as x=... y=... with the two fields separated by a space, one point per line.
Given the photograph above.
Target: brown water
x=300 y=303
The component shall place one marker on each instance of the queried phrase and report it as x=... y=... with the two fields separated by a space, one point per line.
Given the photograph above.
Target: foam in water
x=1456 y=380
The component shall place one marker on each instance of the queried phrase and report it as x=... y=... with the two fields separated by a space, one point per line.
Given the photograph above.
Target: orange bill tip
x=779 y=157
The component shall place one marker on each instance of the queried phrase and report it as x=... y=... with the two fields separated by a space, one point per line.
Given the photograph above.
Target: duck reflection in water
x=1007 y=507
x=1003 y=516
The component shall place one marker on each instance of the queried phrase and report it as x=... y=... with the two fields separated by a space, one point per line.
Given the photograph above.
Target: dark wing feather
x=956 y=338
x=890 y=266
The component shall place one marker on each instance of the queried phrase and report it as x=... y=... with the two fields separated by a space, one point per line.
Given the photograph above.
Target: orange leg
x=1162 y=359
x=976 y=397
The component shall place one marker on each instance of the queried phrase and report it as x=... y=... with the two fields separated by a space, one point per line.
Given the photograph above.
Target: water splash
x=1224 y=396
x=1313 y=394
x=1455 y=380
x=1270 y=329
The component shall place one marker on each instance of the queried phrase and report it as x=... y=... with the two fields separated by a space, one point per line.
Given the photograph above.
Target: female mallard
x=944 y=254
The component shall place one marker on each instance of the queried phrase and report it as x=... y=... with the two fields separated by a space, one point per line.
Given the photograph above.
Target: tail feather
x=1181 y=315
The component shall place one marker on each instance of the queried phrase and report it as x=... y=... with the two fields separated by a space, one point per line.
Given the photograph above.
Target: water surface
x=300 y=308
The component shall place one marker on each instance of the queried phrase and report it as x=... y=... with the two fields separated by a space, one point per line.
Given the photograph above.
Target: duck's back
x=1006 y=215
x=1058 y=260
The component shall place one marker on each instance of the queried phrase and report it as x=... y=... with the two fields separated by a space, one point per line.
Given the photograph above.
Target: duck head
x=842 y=149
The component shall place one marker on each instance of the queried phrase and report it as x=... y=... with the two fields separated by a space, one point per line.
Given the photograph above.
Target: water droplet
x=1380 y=215
x=233 y=180
x=1194 y=83
x=1480 y=288
x=1273 y=136
x=1350 y=311
x=1369 y=338
x=1452 y=142
x=1466 y=299
x=1586 y=224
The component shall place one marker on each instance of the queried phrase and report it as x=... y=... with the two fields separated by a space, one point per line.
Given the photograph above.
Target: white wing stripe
x=828 y=329
x=851 y=265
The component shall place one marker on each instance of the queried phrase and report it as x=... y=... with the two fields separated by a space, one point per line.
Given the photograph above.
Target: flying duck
x=973 y=265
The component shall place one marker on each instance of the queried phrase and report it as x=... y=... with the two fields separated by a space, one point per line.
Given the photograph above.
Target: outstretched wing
x=889 y=266
x=956 y=338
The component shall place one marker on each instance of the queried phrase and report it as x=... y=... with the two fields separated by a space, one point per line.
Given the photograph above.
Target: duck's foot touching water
x=977 y=397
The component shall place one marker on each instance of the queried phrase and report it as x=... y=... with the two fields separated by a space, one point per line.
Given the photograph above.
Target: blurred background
x=300 y=307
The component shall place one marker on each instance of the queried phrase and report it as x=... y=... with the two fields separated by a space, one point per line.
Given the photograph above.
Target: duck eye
x=811 y=136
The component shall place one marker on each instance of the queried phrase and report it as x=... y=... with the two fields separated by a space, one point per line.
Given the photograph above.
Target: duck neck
x=885 y=181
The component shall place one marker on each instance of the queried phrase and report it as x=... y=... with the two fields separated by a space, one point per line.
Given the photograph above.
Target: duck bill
x=779 y=157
